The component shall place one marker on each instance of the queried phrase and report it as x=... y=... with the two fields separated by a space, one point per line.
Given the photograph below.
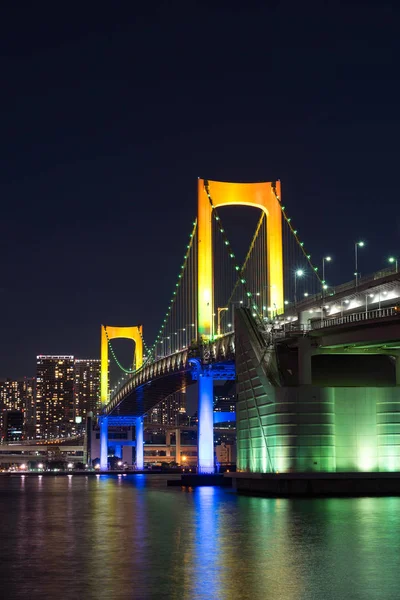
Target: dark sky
x=111 y=110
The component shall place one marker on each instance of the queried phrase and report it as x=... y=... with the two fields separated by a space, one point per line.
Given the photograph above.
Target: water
x=131 y=537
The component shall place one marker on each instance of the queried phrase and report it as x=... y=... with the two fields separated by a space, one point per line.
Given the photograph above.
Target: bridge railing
x=344 y=287
x=356 y=317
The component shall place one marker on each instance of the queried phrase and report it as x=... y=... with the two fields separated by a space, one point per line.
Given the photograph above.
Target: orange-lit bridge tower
x=211 y=195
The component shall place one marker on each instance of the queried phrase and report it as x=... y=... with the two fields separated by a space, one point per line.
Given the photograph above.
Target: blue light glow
x=205 y=425
x=224 y=417
x=139 y=443
x=104 y=443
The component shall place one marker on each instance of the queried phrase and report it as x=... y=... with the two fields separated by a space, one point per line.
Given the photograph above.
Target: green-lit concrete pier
x=322 y=402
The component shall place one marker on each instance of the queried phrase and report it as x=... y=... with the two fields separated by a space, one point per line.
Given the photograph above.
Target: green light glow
x=347 y=429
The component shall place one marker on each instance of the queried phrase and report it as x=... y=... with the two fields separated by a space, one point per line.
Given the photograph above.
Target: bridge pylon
x=108 y=333
x=211 y=195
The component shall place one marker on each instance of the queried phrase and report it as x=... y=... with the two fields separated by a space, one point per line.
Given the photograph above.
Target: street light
x=325 y=259
x=182 y=342
x=366 y=303
x=233 y=308
x=392 y=259
x=298 y=273
x=165 y=349
x=356 y=246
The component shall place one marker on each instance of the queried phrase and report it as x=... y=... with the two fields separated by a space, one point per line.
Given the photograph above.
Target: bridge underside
x=145 y=397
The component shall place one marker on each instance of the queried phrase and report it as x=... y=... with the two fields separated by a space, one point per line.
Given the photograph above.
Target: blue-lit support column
x=205 y=376
x=103 y=443
x=139 y=444
x=205 y=414
x=118 y=450
x=205 y=436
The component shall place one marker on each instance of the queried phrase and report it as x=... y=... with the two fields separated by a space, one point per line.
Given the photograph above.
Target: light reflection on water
x=132 y=537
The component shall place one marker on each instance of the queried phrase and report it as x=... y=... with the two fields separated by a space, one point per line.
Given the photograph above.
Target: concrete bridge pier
x=139 y=444
x=103 y=443
x=118 y=450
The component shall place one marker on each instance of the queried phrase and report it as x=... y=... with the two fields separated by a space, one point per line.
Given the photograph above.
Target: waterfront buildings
x=86 y=389
x=13 y=426
x=67 y=389
x=54 y=396
x=18 y=395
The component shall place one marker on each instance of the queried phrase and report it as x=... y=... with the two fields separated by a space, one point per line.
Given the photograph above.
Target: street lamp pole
x=298 y=273
x=327 y=259
x=392 y=259
x=356 y=246
x=233 y=311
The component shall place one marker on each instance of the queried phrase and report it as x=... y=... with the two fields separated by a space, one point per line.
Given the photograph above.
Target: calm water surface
x=132 y=537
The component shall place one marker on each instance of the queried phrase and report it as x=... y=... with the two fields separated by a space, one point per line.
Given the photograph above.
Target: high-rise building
x=86 y=389
x=10 y=395
x=28 y=385
x=13 y=427
x=54 y=396
x=18 y=395
x=170 y=411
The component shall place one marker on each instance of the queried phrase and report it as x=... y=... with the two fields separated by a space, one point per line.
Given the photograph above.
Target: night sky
x=109 y=113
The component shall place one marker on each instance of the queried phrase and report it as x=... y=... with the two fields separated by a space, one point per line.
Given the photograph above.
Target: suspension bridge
x=273 y=287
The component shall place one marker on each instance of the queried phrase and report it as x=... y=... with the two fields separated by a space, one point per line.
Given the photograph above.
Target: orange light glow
x=134 y=333
x=259 y=195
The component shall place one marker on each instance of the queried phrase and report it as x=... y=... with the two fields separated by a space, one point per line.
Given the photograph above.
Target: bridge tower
x=211 y=195
x=108 y=333
x=134 y=333
x=265 y=196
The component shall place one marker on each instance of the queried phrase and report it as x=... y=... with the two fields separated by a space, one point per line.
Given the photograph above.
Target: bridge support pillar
x=103 y=443
x=118 y=450
x=139 y=444
x=178 y=459
x=205 y=436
